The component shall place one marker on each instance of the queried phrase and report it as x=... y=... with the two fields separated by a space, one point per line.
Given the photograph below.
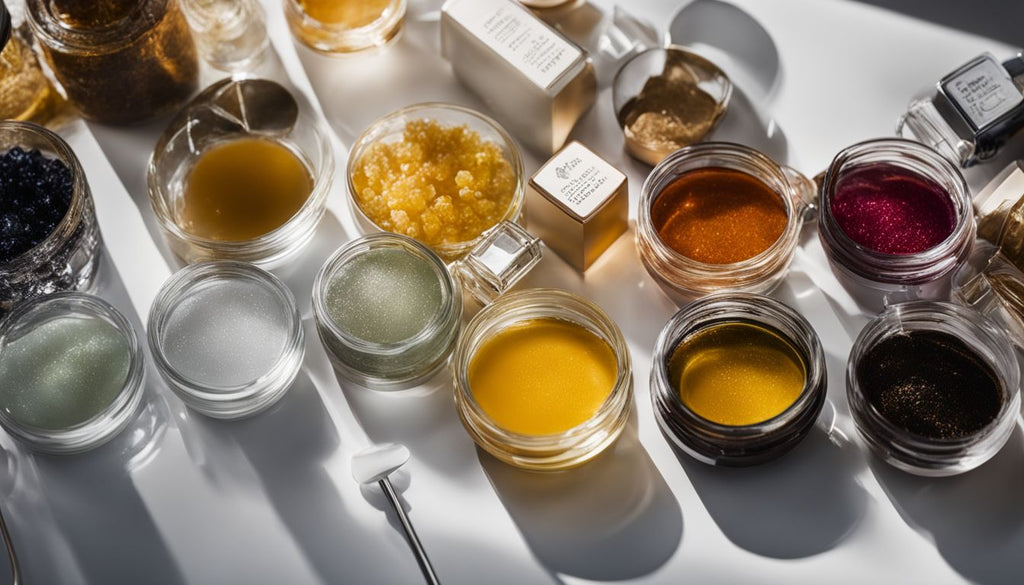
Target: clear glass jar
x=231 y=35
x=112 y=419
x=67 y=258
x=345 y=30
x=172 y=322
x=229 y=110
x=119 y=61
x=741 y=445
x=390 y=129
x=914 y=453
x=875 y=279
x=492 y=267
x=686 y=279
x=992 y=285
x=389 y=366
x=543 y=452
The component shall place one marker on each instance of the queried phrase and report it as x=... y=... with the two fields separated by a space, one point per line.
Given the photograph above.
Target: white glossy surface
x=182 y=499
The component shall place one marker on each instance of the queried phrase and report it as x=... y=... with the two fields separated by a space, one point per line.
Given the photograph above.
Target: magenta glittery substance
x=892 y=210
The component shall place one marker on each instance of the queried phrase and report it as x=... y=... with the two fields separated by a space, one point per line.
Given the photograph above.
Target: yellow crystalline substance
x=439 y=184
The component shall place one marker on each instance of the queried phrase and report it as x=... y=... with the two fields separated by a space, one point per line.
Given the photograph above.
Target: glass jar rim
x=102 y=426
x=757 y=309
x=896 y=151
x=55 y=32
x=177 y=289
x=263 y=249
x=79 y=191
x=392 y=12
x=588 y=315
x=424 y=110
x=451 y=293
x=940 y=312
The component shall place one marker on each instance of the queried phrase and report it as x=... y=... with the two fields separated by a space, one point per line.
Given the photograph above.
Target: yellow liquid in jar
x=737 y=374
x=542 y=376
x=349 y=13
x=243 y=189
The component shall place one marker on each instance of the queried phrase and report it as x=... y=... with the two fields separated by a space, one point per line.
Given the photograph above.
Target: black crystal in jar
x=49 y=240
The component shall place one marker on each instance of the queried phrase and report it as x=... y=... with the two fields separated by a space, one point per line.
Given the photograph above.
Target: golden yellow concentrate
x=542 y=376
x=737 y=373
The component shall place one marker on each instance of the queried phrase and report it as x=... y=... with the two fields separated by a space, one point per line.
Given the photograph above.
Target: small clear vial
x=974 y=111
x=231 y=35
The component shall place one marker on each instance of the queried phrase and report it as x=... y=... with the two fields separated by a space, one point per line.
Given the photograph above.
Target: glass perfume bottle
x=974 y=111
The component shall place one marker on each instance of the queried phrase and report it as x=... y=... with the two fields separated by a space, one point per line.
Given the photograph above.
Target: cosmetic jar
x=895 y=221
x=668 y=98
x=38 y=166
x=227 y=337
x=220 y=172
x=933 y=387
x=338 y=27
x=720 y=216
x=388 y=309
x=71 y=372
x=543 y=380
x=118 y=62
x=738 y=379
x=439 y=173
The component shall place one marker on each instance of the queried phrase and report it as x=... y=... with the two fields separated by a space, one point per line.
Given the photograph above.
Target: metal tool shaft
x=9 y=545
x=410 y=533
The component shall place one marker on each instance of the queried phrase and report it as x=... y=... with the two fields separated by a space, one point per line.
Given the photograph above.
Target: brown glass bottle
x=119 y=61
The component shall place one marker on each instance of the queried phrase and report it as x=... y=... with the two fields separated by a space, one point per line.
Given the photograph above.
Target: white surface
x=184 y=499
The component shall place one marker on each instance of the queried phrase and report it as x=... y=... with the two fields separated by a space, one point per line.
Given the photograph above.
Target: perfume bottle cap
x=579 y=204
x=498 y=261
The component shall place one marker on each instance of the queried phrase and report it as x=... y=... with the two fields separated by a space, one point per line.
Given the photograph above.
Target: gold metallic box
x=536 y=82
x=578 y=204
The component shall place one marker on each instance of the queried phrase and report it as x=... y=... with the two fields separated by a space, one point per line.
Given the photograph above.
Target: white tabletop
x=182 y=499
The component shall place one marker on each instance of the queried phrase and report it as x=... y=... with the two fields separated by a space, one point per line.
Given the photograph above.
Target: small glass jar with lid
x=738 y=379
x=439 y=173
x=242 y=173
x=933 y=387
x=895 y=221
x=73 y=372
x=339 y=27
x=720 y=216
x=119 y=61
x=543 y=380
x=66 y=258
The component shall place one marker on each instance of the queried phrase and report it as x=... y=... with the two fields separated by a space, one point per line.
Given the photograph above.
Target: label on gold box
x=518 y=37
x=579 y=180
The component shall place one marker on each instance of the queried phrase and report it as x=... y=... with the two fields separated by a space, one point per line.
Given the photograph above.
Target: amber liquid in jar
x=25 y=92
x=243 y=189
x=123 y=61
x=349 y=13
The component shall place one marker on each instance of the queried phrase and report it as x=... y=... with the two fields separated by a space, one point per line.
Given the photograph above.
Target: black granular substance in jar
x=930 y=383
x=35 y=194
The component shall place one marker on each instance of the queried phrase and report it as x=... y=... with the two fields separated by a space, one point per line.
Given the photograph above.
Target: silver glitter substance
x=385 y=295
x=63 y=372
x=228 y=334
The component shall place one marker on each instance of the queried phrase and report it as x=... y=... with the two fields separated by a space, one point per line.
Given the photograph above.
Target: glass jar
x=231 y=35
x=114 y=416
x=227 y=337
x=494 y=265
x=875 y=279
x=390 y=365
x=336 y=27
x=685 y=278
x=555 y=451
x=67 y=258
x=120 y=61
x=738 y=445
x=390 y=130
x=230 y=110
x=25 y=91
x=916 y=453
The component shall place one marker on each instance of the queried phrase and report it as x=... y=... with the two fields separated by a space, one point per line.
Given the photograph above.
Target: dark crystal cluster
x=35 y=194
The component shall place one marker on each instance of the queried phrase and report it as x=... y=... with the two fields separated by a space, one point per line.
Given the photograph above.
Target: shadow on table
x=975 y=520
x=802 y=504
x=287 y=448
x=611 y=519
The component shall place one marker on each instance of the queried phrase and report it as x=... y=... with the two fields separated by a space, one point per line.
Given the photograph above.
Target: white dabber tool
x=374 y=465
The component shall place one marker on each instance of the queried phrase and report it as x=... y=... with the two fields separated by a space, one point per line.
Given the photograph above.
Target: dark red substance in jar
x=892 y=210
